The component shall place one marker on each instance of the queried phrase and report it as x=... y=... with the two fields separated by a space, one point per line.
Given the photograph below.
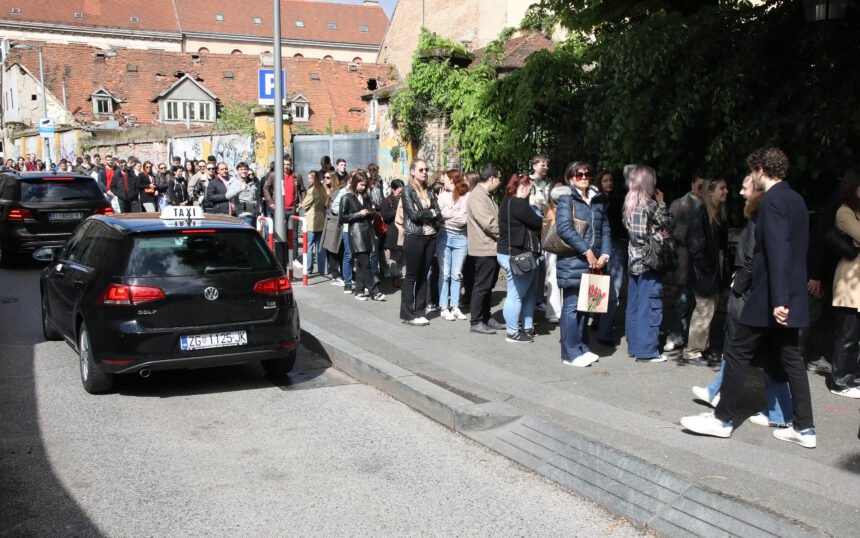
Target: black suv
x=137 y=293
x=38 y=210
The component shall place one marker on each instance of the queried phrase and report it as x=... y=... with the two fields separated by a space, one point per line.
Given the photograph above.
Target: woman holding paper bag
x=581 y=222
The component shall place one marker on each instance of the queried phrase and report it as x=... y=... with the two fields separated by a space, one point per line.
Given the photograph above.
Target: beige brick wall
x=476 y=22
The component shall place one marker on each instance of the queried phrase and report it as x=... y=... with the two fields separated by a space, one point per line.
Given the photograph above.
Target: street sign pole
x=280 y=223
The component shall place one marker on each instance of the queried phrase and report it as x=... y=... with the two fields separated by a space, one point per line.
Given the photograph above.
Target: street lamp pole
x=278 y=179
x=44 y=109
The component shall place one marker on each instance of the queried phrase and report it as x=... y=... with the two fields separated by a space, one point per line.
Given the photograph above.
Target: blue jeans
x=519 y=308
x=574 y=334
x=249 y=220
x=451 y=250
x=644 y=314
x=780 y=409
x=315 y=250
x=347 y=260
x=617 y=268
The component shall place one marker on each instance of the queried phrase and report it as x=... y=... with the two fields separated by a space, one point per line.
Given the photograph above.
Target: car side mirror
x=46 y=254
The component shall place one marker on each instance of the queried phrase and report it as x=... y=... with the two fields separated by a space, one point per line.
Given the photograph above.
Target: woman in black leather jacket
x=357 y=213
x=421 y=218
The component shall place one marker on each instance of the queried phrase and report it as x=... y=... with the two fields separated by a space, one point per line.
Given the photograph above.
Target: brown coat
x=846 y=280
x=482 y=222
x=314 y=205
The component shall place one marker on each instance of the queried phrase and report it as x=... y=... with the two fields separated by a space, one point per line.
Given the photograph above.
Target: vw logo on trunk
x=210 y=293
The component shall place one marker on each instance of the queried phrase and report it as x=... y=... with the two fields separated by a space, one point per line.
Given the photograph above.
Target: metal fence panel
x=359 y=150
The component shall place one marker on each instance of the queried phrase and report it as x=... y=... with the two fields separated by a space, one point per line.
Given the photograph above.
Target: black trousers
x=468 y=282
x=418 y=252
x=335 y=260
x=846 y=370
x=486 y=273
x=363 y=276
x=782 y=343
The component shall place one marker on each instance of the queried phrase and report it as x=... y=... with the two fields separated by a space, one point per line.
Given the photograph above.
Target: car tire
x=94 y=380
x=7 y=259
x=278 y=368
x=48 y=330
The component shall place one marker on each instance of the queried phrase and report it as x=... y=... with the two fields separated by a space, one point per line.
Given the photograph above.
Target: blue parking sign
x=266 y=86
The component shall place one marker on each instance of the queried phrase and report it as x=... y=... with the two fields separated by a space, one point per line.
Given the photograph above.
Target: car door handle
x=57 y=275
x=78 y=283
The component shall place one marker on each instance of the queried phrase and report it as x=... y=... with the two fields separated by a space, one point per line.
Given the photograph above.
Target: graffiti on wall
x=187 y=148
x=68 y=146
x=435 y=148
x=233 y=149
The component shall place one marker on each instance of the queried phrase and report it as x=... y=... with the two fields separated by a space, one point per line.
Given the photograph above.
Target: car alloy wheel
x=93 y=379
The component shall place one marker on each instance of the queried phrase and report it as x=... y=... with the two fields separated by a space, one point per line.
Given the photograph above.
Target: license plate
x=205 y=341
x=76 y=215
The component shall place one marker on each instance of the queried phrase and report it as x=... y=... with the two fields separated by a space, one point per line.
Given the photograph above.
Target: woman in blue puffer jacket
x=582 y=223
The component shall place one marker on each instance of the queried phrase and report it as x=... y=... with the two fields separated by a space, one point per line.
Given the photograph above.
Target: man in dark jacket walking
x=776 y=307
x=124 y=185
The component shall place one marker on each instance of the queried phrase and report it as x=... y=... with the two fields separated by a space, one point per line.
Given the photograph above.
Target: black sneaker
x=519 y=338
x=531 y=333
x=347 y=288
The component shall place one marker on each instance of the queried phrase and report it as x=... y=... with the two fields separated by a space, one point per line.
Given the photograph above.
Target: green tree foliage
x=236 y=117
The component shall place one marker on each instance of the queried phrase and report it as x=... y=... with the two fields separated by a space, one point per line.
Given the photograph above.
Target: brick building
x=310 y=29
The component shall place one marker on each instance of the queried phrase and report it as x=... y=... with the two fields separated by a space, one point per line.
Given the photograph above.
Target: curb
x=634 y=488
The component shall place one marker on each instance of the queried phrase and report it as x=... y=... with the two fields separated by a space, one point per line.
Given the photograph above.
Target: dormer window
x=258 y=20
x=79 y=15
x=363 y=28
x=219 y=17
x=103 y=102
x=332 y=26
x=300 y=24
x=134 y=20
x=300 y=109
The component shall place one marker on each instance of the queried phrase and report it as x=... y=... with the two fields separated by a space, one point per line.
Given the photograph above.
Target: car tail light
x=20 y=214
x=117 y=362
x=123 y=294
x=273 y=286
x=198 y=231
x=104 y=211
x=58 y=178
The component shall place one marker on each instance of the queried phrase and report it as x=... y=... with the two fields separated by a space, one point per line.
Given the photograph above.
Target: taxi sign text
x=172 y=212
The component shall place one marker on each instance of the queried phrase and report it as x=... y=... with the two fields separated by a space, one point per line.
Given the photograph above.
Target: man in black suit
x=776 y=308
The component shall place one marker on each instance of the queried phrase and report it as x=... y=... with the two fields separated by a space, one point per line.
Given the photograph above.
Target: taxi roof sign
x=175 y=212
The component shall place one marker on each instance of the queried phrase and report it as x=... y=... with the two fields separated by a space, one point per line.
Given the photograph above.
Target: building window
x=175 y=110
x=328 y=57
x=219 y=17
x=202 y=50
x=332 y=26
x=356 y=60
x=300 y=24
x=300 y=112
x=363 y=28
x=258 y=20
x=236 y=52
x=298 y=55
x=102 y=106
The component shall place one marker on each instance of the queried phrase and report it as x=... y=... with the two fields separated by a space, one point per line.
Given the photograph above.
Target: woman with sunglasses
x=421 y=217
x=581 y=222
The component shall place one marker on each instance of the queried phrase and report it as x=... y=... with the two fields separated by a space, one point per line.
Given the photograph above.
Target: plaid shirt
x=646 y=220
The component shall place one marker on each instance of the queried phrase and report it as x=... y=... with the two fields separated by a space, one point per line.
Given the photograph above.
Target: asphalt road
x=224 y=452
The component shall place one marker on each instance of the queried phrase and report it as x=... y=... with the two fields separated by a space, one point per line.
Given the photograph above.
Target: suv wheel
x=48 y=330
x=6 y=256
x=278 y=368
x=93 y=379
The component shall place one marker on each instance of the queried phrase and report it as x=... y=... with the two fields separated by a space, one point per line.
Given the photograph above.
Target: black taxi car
x=42 y=209
x=142 y=292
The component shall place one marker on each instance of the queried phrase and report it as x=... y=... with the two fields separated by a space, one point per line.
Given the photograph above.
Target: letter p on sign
x=266 y=86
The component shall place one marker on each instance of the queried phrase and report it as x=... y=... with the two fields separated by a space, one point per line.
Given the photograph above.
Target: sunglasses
x=582 y=175
x=210 y=168
x=421 y=169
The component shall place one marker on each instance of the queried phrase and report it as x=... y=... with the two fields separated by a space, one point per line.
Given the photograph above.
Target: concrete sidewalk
x=610 y=431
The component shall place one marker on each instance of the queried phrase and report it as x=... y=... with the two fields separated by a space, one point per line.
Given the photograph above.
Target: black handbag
x=660 y=254
x=524 y=262
x=840 y=243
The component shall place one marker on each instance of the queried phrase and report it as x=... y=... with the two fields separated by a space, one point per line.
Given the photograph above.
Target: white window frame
x=184 y=110
x=296 y=108
x=99 y=99
x=373 y=110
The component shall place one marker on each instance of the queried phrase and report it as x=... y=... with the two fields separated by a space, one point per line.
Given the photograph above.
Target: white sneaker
x=447 y=315
x=701 y=393
x=850 y=392
x=659 y=358
x=423 y=321
x=584 y=360
x=761 y=419
x=804 y=438
x=459 y=315
x=297 y=264
x=673 y=344
x=337 y=282
x=707 y=424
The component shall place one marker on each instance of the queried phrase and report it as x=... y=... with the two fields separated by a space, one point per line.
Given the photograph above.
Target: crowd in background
x=443 y=237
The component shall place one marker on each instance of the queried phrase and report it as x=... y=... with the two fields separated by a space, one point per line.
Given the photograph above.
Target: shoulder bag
x=660 y=253
x=840 y=243
x=524 y=262
x=550 y=240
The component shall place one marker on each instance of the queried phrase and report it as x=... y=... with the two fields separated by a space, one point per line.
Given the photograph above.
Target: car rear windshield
x=188 y=254
x=57 y=189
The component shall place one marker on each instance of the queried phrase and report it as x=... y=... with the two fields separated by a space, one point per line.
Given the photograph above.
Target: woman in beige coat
x=846 y=294
x=314 y=205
